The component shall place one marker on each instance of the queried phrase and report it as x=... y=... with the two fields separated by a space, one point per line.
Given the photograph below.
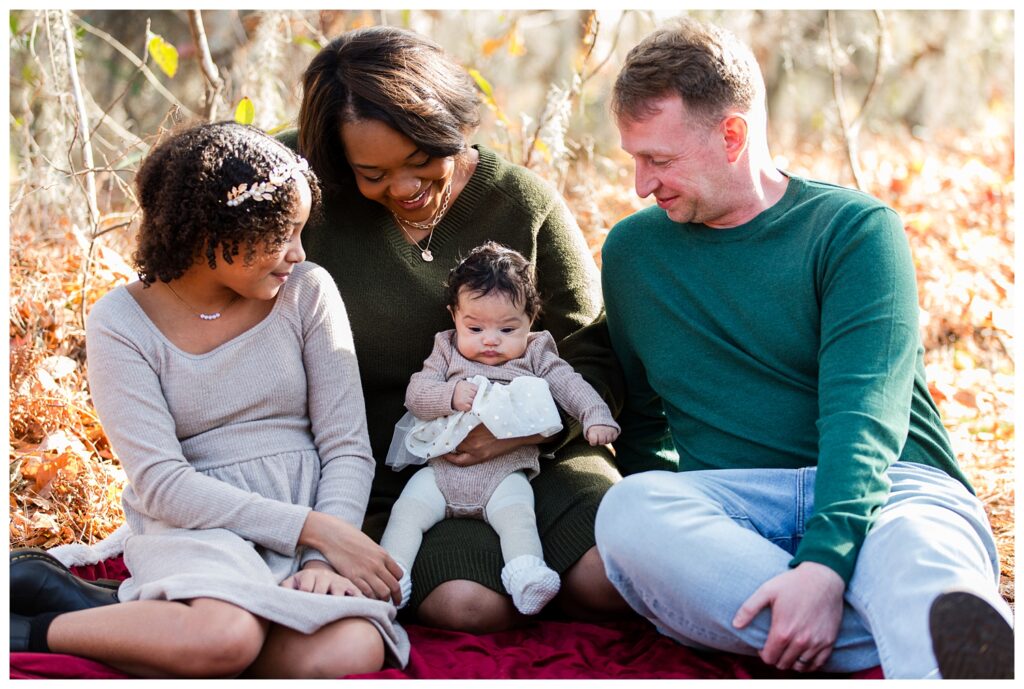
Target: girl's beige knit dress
x=227 y=452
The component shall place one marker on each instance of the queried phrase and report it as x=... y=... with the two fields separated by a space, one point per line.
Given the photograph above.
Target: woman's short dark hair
x=492 y=267
x=183 y=188
x=391 y=75
x=708 y=67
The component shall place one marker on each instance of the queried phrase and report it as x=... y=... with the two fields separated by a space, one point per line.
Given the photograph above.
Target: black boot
x=30 y=633
x=971 y=640
x=40 y=583
x=20 y=633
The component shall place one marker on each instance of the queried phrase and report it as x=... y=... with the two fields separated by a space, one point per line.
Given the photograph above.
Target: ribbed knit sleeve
x=129 y=398
x=568 y=388
x=335 y=402
x=429 y=395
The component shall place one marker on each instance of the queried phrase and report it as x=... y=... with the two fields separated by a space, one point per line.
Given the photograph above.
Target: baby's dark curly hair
x=493 y=267
x=183 y=189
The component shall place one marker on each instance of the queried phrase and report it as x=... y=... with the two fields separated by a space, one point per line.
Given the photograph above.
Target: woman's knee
x=466 y=606
x=351 y=646
x=587 y=593
x=219 y=639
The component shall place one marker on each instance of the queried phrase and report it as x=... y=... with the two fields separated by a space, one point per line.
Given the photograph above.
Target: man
x=799 y=497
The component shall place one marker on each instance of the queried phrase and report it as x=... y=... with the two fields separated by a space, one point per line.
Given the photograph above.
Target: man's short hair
x=711 y=69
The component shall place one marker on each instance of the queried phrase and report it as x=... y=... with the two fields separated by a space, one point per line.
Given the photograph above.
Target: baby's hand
x=462 y=398
x=321 y=580
x=601 y=435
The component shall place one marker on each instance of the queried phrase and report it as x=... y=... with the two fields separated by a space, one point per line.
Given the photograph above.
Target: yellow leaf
x=245 y=113
x=543 y=148
x=164 y=54
x=963 y=360
x=491 y=45
x=484 y=85
x=516 y=47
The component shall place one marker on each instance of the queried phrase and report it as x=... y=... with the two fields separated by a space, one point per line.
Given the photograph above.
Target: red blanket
x=546 y=649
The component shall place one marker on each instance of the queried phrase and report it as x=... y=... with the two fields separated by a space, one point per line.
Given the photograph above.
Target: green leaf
x=14 y=23
x=245 y=113
x=484 y=85
x=308 y=42
x=279 y=128
x=164 y=54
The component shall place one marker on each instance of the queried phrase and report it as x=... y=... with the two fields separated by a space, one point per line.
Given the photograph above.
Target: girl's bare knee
x=220 y=639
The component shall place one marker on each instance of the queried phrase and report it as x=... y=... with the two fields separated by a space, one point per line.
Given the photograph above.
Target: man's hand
x=807 y=606
x=481 y=445
x=318 y=577
x=601 y=435
x=462 y=398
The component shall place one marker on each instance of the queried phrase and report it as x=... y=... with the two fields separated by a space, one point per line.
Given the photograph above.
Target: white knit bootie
x=405 y=584
x=531 y=582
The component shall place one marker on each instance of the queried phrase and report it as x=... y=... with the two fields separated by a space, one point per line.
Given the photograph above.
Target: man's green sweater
x=786 y=342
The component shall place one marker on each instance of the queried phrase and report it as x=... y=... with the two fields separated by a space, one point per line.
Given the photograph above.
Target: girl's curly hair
x=183 y=189
x=492 y=267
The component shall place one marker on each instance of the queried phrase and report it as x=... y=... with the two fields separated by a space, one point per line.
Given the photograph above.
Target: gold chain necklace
x=205 y=316
x=427 y=224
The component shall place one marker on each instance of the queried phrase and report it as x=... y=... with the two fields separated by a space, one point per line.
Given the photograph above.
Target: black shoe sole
x=970 y=638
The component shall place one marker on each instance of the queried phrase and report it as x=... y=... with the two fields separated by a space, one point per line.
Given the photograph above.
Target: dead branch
x=611 y=52
x=592 y=27
x=134 y=59
x=214 y=84
x=83 y=120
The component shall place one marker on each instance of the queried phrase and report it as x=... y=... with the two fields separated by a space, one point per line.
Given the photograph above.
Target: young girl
x=493 y=301
x=227 y=383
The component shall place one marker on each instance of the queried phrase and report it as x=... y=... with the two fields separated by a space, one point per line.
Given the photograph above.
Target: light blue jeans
x=686 y=549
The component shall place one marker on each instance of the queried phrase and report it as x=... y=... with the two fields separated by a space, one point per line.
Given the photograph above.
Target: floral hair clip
x=261 y=191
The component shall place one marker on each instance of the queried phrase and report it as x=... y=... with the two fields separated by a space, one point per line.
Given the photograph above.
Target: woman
x=385 y=121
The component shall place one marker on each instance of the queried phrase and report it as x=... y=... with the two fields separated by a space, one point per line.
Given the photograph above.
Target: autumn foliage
x=954 y=192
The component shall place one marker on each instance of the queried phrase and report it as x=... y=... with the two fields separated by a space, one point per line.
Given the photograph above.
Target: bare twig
x=851 y=128
x=576 y=84
x=83 y=120
x=611 y=52
x=134 y=59
x=837 y=93
x=214 y=84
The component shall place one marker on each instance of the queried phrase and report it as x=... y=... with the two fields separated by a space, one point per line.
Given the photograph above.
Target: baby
x=490 y=369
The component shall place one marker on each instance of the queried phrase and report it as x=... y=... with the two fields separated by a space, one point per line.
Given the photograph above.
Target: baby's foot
x=405 y=584
x=531 y=582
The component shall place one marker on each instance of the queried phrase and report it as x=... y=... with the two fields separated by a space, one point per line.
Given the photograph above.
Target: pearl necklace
x=427 y=224
x=205 y=316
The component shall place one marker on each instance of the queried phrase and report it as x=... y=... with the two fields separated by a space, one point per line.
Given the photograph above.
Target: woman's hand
x=354 y=555
x=481 y=445
x=318 y=577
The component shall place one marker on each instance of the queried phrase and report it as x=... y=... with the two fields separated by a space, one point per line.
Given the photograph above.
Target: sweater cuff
x=286 y=524
x=435 y=405
x=599 y=417
x=839 y=562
